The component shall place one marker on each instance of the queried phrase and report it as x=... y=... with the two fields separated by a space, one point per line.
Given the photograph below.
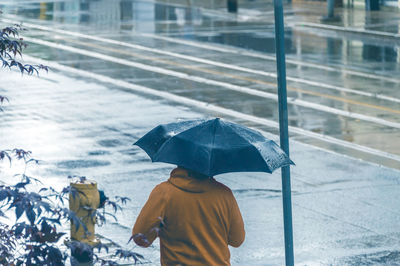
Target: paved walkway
x=345 y=211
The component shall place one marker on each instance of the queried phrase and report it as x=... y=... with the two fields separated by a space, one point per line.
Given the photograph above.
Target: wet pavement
x=342 y=77
x=344 y=210
x=119 y=70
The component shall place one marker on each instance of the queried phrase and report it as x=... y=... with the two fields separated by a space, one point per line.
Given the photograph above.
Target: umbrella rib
x=168 y=131
x=217 y=120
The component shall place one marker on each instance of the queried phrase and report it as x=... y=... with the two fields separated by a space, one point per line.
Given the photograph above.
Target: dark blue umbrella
x=213 y=147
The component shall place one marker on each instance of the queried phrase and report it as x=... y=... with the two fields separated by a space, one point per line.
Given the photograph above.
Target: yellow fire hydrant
x=84 y=199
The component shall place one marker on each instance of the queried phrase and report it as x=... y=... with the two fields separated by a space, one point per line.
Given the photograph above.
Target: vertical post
x=283 y=129
x=232 y=6
x=371 y=5
x=331 y=6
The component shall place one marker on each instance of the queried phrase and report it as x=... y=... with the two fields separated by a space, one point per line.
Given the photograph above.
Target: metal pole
x=331 y=7
x=371 y=5
x=232 y=6
x=283 y=129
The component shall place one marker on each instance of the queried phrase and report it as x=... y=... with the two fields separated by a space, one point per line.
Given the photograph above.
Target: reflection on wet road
x=336 y=99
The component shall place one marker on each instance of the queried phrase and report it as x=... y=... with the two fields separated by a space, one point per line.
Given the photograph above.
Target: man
x=195 y=217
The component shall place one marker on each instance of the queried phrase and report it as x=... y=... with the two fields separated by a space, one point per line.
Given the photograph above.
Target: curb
x=378 y=34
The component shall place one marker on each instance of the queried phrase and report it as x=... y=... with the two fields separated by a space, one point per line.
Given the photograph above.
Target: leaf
x=31 y=216
x=54 y=220
x=101 y=246
x=21 y=67
x=126 y=254
x=33 y=160
x=114 y=205
x=39 y=212
x=46 y=68
x=51 y=237
x=4 y=154
x=20 y=153
x=123 y=200
x=76 y=221
x=19 y=228
x=46 y=206
x=21 y=184
x=54 y=255
x=45 y=227
x=19 y=211
x=3 y=98
x=3 y=194
x=35 y=197
x=112 y=215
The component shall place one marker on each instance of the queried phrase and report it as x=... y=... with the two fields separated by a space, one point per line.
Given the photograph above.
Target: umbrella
x=213 y=147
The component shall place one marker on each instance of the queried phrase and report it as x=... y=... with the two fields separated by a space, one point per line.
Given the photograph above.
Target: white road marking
x=213 y=108
x=230 y=66
x=268 y=57
x=229 y=86
x=374 y=33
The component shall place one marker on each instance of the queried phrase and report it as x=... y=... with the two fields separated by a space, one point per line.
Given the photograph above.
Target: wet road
x=118 y=70
x=345 y=211
x=343 y=87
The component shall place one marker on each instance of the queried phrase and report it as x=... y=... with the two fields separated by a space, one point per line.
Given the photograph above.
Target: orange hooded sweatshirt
x=195 y=218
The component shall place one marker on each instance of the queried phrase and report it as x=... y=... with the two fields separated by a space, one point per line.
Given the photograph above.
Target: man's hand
x=141 y=240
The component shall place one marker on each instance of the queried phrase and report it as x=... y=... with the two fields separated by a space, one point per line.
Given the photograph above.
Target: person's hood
x=184 y=180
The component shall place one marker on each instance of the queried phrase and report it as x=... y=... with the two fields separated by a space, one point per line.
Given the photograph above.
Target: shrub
x=35 y=235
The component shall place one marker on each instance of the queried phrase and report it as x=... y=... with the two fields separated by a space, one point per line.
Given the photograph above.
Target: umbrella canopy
x=213 y=147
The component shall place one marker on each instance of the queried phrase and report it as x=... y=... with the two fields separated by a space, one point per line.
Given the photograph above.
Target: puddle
x=108 y=143
x=82 y=164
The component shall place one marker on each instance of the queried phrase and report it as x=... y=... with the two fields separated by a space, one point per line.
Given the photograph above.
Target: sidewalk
x=369 y=24
x=383 y=23
x=345 y=211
